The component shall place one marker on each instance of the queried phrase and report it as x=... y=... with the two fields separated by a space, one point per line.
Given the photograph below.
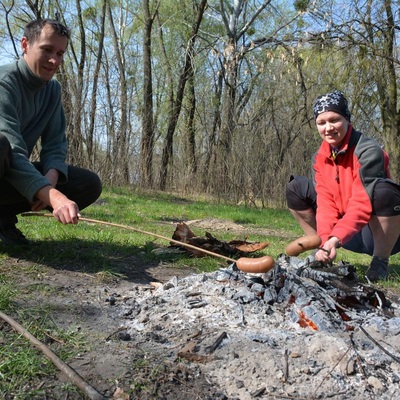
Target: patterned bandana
x=334 y=101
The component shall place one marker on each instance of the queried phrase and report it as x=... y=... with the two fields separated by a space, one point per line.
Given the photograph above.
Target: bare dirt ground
x=140 y=350
x=116 y=367
x=79 y=302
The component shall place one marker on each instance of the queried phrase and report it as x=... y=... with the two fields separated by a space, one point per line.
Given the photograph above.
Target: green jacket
x=31 y=110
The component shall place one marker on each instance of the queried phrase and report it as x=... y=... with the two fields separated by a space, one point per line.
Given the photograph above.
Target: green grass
x=112 y=252
x=6 y=293
x=103 y=249
x=21 y=363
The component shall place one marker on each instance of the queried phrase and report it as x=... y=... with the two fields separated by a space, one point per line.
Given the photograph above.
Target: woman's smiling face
x=332 y=127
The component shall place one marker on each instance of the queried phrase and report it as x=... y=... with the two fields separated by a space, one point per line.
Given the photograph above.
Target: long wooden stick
x=74 y=377
x=96 y=221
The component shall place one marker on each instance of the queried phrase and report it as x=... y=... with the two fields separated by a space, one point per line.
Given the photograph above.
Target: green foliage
x=301 y=5
x=344 y=45
x=90 y=13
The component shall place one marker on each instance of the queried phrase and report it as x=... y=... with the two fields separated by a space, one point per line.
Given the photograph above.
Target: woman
x=352 y=203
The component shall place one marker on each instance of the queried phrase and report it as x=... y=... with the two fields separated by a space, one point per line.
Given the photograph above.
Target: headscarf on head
x=334 y=101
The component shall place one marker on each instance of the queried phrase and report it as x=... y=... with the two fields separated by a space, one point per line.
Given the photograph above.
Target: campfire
x=320 y=297
x=301 y=330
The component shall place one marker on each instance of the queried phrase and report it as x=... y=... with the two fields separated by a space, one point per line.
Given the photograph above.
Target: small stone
x=125 y=336
x=239 y=384
x=350 y=367
x=258 y=392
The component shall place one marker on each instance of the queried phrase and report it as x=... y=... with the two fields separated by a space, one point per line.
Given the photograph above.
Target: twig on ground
x=74 y=377
x=330 y=371
x=395 y=358
x=286 y=365
x=120 y=329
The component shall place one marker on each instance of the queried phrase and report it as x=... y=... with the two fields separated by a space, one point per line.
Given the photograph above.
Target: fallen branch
x=63 y=367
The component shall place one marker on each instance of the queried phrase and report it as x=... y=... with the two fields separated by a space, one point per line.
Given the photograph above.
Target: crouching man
x=31 y=111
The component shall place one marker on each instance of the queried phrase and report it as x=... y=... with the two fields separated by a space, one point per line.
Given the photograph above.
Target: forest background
x=215 y=97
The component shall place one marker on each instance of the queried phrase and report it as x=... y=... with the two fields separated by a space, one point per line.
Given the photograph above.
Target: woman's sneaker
x=378 y=269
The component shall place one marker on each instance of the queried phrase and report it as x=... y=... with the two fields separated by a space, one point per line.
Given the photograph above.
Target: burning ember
x=300 y=330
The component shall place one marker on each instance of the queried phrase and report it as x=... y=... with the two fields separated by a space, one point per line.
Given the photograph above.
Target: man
x=31 y=111
x=354 y=203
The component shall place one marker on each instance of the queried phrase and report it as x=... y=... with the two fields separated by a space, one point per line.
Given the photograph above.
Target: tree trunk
x=386 y=82
x=147 y=142
x=389 y=97
x=228 y=119
x=93 y=102
x=120 y=148
x=177 y=104
x=190 y=133
x=211 y=140
x=236 y=21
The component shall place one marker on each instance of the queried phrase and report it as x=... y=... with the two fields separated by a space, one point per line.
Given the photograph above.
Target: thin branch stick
x=314 y=395
x=96 y=221
x=394 y=357
x=73 y=376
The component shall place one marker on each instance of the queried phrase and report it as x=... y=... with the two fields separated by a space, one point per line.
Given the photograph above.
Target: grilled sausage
x=304 y=243
x=256 y=265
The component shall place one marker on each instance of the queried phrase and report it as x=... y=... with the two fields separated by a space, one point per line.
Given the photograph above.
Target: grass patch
x=22 y=365
x=6 y=293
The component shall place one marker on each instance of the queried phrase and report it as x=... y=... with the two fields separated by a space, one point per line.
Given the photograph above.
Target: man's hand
x=67 y=212
x=329 y=250
x=64 y=210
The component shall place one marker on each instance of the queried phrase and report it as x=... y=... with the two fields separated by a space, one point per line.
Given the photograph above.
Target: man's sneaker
x=378 y=269
x=10 y=234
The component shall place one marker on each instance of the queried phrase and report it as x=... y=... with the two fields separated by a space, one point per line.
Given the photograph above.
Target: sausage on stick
x=302 y=244
x=256 y=265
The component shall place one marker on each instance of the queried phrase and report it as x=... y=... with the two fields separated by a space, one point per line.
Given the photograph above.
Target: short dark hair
x=34 y=28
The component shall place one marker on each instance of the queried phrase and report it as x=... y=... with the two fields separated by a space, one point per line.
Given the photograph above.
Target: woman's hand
x=328 y=251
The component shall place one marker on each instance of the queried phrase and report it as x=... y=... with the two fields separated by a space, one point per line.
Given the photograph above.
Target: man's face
x=332 y=127
x=45 y=54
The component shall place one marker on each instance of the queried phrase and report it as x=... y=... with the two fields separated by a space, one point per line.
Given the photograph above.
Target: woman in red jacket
x=351 y=201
